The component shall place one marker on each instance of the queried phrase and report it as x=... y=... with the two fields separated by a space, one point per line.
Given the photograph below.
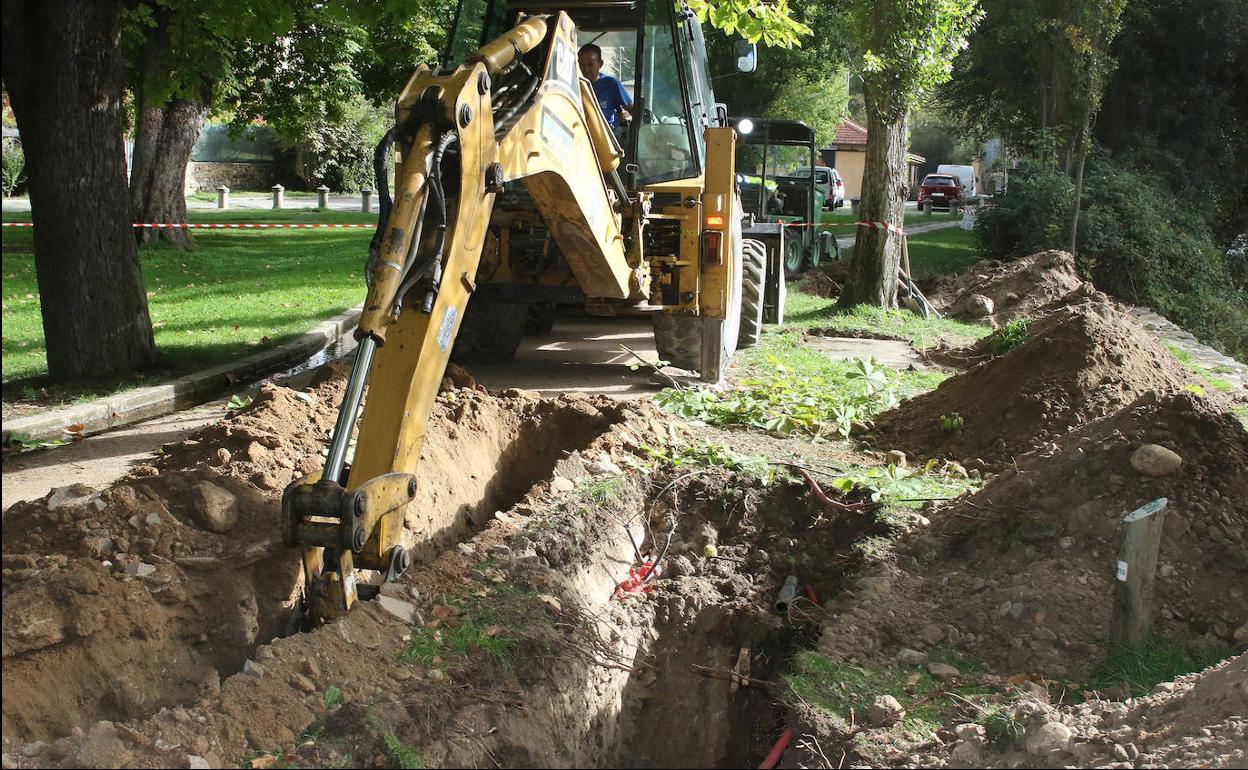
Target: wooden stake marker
x=1136 y=571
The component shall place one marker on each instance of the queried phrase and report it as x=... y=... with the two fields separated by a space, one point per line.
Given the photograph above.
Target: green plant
x=602 y=491
x=1156 y=660
x=1010 y=336
x=487 y=625
x=789 y=402
x=398 y=752
x=895 y=483
x=239 y=401
x=707 y=453
x=333 y=696
x=1002 y=725
x=23 y=442
x=14 y=162
x=951 y=422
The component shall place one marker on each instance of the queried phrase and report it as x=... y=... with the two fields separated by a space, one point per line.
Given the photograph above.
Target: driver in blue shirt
x=617 y=105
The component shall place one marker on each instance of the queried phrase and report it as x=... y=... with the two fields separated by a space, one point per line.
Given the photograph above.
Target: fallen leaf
x=75 y=428
x=489 y=632
x=265 y=761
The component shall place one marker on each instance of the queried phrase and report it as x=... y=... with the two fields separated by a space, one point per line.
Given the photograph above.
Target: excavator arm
x=517 y=110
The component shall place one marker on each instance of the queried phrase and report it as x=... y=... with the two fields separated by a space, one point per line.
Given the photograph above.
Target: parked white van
x=965 y=175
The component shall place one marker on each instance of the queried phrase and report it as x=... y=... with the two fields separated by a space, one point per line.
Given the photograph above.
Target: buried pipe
x=787 y=593
x=777 y=750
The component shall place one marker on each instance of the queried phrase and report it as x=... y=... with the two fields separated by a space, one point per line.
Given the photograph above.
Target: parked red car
x=941 y=189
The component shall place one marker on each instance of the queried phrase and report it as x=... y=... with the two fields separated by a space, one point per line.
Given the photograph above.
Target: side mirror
x=746 y=54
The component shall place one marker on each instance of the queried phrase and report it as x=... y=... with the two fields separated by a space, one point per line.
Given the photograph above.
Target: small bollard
x=279 y=196
x=322 y=197
x=1136 y=572
x=927 y=208
x=223 y=197
x=854 y=203
x=953 y=209
x=366 y=200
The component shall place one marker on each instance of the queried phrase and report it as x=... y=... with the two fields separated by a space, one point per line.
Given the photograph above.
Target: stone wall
x=236 y=176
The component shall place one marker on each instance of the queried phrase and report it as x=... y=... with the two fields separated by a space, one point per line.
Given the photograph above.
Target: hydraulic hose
x=381 y=173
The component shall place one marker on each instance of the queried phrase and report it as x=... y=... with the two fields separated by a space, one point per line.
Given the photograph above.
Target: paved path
x=1222 y=366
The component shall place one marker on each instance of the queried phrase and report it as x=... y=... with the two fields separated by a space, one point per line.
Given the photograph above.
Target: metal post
x=366 y=200
x=927 y=208
x=279 y=196
x=322 y=197
x=336 y=458
x=1136 y=571
x=223 y=197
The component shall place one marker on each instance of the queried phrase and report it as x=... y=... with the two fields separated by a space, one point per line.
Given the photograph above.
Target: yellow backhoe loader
x=512 y=190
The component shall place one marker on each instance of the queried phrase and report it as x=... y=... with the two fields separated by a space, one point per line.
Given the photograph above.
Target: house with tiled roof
x=848 y=155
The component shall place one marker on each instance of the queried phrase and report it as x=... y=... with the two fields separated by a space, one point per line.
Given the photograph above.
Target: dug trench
x=519 y=640
x=148 y=594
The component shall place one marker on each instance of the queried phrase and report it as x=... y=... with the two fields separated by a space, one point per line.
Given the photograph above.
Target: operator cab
x=654 y=47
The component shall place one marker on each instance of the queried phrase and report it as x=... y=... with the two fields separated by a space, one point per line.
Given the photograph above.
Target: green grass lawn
x=236 y=293
x=806 y=311
x=843 y=220
x=942 y=252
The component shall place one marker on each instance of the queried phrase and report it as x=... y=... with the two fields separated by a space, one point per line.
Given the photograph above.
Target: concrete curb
x=158 y=400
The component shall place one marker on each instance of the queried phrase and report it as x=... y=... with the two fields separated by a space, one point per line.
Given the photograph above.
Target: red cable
x=776 y=751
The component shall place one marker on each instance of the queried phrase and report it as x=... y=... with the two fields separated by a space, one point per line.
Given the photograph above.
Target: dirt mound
x=1016 y=289
x=120 y=603
x=148 y=594
x=1021 y=574
x=1081 y=362
x=279 y=437
x=1195 y=721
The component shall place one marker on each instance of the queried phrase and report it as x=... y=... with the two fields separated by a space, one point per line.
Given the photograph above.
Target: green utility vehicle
x=778 y=192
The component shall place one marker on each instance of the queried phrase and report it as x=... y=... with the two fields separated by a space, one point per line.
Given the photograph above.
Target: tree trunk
x=164 y=138
x=62 y=69
x=877 y=253
x=1081 y=161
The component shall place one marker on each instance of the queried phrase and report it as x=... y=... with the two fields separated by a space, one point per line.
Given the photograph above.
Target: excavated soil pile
x=1021 y=575
x=1016 y=289
x=1081 y=362
x=569 y=667
x=147 y=594
x=1198 y=720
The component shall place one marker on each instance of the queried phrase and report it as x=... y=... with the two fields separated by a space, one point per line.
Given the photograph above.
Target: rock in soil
x=213 y=507
x=1155 y=460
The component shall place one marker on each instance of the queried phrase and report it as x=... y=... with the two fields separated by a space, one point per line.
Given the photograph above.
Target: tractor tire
x=541 y=319
x=794 y=258
x=490 y=332
x=753 y=282
x=704 y=345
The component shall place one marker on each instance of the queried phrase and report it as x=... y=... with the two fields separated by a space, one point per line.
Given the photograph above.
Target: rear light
x=715 y=220
x=712 y=246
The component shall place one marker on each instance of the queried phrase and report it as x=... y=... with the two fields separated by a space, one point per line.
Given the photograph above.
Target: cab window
x=665 y=149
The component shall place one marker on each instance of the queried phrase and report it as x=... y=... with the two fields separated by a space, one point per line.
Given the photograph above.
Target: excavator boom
x=515 y=116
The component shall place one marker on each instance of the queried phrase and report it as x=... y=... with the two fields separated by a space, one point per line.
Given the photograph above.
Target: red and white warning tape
x=875 y=225
x=224 y=225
